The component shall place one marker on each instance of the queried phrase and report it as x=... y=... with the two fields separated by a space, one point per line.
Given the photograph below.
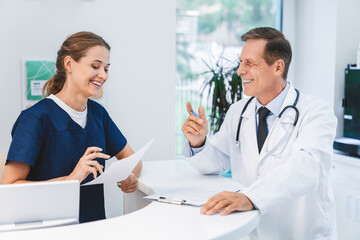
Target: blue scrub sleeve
x=26 y=139
x=115 y=140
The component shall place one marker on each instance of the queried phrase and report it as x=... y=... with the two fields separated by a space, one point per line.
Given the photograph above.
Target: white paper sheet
x=120 y=170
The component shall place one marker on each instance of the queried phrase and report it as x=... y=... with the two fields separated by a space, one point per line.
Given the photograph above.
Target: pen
x=194 y=113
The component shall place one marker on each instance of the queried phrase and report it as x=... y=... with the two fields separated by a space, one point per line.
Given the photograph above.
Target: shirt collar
x=275 y=105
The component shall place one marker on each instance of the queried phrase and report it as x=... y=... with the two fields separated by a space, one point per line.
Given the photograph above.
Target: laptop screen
x=43 y=204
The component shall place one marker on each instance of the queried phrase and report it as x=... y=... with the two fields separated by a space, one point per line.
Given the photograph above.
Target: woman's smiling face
x=90 y=72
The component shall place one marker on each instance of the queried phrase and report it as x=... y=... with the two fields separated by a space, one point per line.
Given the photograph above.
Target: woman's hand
x=87 y=165
x=129 y=185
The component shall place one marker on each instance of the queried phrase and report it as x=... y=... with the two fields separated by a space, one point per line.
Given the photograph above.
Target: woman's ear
x=68 y=63
x=279 y=67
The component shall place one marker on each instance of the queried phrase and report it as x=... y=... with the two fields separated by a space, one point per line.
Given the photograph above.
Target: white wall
x=289 y=30
x=140 y=91
x=347 y=42
x=324 y=35
x=315 y=47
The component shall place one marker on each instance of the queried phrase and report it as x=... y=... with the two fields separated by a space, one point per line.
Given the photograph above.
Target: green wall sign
x=37 y=73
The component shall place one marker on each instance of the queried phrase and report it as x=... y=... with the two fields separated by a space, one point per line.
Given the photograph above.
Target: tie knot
x=263 y=113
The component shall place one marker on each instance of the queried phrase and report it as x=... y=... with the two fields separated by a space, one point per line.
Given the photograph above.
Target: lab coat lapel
x=281 y=126
x=248 y=129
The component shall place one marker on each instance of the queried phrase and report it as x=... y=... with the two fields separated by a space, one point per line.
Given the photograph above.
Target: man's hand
x=227 y=202
x=129 y=185
x=195 y=128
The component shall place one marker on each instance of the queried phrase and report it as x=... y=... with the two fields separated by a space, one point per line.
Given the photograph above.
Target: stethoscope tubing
x=240 y=120
x=293 y=106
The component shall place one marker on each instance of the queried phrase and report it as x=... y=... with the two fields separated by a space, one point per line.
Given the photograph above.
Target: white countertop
x=158 y=220
x=346 y=159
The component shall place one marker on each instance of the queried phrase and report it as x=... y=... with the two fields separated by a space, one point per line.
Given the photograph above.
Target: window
x=209 y=30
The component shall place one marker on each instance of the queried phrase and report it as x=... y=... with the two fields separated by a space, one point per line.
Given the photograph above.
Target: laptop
x=38 y=205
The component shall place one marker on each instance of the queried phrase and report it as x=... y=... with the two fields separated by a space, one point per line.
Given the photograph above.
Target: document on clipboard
x=187 y=196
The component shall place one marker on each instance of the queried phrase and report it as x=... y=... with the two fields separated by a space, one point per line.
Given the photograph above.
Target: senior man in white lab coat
x=283 y=159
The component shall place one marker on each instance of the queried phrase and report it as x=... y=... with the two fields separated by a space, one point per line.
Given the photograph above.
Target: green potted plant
x=224 y=88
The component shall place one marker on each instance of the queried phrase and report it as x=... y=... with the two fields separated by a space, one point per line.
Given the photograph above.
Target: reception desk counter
x=153 y=220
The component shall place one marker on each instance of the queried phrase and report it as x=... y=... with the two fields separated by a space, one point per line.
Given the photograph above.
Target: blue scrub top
x=45 y=137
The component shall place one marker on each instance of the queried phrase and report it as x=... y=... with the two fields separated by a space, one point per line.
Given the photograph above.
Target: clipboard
x=187 y=196
x=173 y=200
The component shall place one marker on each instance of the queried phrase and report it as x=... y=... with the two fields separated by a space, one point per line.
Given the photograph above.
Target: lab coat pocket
x=279 y=139
x=269 y=163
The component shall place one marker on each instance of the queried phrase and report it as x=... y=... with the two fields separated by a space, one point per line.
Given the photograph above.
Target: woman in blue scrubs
x=67 y=136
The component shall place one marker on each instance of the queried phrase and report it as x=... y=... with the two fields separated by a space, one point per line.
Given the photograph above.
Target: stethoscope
x=293 y=106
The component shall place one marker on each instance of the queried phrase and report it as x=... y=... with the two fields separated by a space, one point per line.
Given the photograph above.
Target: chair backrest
x=2 y=164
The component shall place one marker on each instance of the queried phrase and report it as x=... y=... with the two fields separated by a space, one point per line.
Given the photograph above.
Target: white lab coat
x=292 y=189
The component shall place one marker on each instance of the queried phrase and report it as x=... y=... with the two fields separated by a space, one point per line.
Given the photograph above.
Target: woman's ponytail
x=55 y=84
